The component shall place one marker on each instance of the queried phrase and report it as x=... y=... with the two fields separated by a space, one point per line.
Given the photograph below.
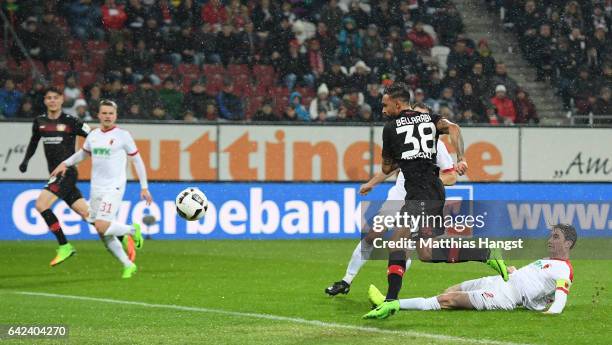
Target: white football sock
x=115 y=247
x=360 y=255
x=420 y=303
x=118 y=229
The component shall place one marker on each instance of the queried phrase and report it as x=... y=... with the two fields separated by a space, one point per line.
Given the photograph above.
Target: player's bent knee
x=101 y=226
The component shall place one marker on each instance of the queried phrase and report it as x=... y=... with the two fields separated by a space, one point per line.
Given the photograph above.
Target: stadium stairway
x=479 y=23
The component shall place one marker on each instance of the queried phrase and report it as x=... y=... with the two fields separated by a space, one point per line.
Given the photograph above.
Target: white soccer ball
x=191 y=204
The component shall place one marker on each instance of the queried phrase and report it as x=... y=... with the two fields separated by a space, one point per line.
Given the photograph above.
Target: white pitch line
x=318 y=323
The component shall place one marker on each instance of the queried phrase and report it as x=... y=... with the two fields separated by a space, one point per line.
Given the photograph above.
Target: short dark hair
x=109 y=103
x=399 y=90
x=54 y=90
x=569 y=232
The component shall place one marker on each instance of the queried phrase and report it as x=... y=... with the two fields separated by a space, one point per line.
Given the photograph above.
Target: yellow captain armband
x=563 y=285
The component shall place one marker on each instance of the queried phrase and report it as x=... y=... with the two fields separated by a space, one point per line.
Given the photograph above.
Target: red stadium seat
x=97 y=46
x=163 y=70
x=96 y=60
x=186 y=83
x=29 y=66
x=280 y=104
x=87 y=78
x=213 y=69
x=261 y=70
x=58 y=66
x=254 y=103
x=235 y=70
x=58 y=80
x=189 y=70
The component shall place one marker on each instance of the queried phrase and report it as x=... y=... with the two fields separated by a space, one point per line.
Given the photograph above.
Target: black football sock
x=54 y=225
x=395 y=273
x=120 y=238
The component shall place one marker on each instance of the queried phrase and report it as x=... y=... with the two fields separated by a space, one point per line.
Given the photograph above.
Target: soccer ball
x=191 y=204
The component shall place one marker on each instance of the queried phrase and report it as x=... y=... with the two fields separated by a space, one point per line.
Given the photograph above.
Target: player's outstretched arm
x=560 y=297
x=32 y=145
x=379 y=177
x=141 y=171
x=456 y=139
x=73 y=160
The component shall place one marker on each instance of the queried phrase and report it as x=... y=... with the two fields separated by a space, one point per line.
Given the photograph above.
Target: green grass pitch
x=276 y=290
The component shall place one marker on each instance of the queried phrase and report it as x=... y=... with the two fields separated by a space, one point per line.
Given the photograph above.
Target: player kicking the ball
x=109 y=147
x=533 y=286
x=395 y=195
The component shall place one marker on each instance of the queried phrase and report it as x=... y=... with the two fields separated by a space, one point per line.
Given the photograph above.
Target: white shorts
x=491 y=293
x=104 y=204
x=394 y=202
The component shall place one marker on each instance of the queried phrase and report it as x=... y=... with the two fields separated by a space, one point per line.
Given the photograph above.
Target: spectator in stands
x=525 y=109
x=359 y=76
x=433 y=83
x=446 y=100
x=136 y=15
x=266 y=112
x=331 y=16
x=226 y=44
x=603 y=106
x=374 y=98
x=134 y=112
x=421 y=39
x=466 y=117
x=504 y=105
x=212 y=112
x=197 y=99
x=117 y=62
x=383 y=17
x=82 y=113
x=350 y=41
x=205 y=45
x=600 y=47
x=469 y=101
x=356 y=12
x=145 y=96
x=572 y=17
x=336 y=77
x=295 y=109
x=583 y=88
x=448 y=113
x=171 y=98
x=565 y=65
x=404 y=17
x=410 y=61
x=142 y=63
x=322 y=107
x=93 y=97
x=182 y=12
x=453 y=81
x=478 y=80
x=327 y=41
x=395 y=39
x=493 y=117
x=30 y=38
x=373 y=46
x=10 y=99
x=419 y=97
x=116 y=91
x=599 y=19
x=577 y=44
x=113 y=16
x=460 y=59
x=230 y=105
x=214 y=13
x=351 y=104
x=189 y=116
x=365 y=113
x=37 y=96
x=25 y=109
x=84 y=19
x=72 y=92
x=388 y=65
x=294 y=67
x=501 y=77
x=542 y=53
x=448 y=24
x=153 y=37
x=52 y=38
x=158 y=113
x=265 y=16
x=250 y=46
x=527 y=25
x=485 y=57
x=182 y=48
x=316 y=59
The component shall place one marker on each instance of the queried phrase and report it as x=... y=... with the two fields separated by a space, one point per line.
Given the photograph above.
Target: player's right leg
x=43 y=205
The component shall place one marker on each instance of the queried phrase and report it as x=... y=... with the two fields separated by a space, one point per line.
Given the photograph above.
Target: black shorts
x=425 y=196
x=64 y=187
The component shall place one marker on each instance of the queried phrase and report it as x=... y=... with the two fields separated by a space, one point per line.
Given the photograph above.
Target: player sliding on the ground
x=395 y=195
x=533 y=286
x=409 y=142
x=109 y=147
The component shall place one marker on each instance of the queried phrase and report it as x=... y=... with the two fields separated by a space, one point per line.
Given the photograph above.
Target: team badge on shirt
x=60 y=127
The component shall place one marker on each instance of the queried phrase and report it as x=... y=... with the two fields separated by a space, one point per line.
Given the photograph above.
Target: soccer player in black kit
x=58 y=132
x=409 y=142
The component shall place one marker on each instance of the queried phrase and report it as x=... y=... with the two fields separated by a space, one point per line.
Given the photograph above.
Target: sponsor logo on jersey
x=101 y=151
x=60 y=127
x=52 y=140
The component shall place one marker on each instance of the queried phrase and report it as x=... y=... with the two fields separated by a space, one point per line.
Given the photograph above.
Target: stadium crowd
x=569 y=44
x=311 y=60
